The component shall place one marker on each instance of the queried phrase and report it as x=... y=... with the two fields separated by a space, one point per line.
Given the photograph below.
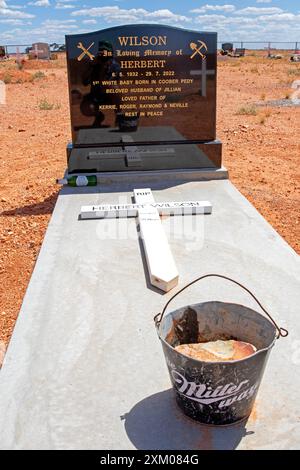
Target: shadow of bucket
x=216 y=393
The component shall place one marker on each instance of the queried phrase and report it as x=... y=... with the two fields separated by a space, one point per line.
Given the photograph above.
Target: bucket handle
x=158 y=318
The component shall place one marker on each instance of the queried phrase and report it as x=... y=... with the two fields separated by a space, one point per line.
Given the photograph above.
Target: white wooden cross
x=161 y=266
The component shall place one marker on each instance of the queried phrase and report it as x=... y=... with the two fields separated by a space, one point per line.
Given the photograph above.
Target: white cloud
x=89 y=22
x=281 y=17
x=259 y=11
x=58 y=23
x=205 y=8
x=64 y=6
x=40 y=3
x=210 y=18
x=263 y=1
x=114 y=13
x=48 y=31
x=3 y=4
x=282 y=26
x=12 y=21
x=14 y=13
x=166 y=14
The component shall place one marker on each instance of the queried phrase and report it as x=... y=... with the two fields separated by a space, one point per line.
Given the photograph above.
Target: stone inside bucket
x=211 y=321
x=223 y=392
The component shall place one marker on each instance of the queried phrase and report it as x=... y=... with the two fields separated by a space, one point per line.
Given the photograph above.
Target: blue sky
x=24 y=22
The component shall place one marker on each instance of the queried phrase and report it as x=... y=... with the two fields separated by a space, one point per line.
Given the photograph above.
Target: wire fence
x=293 y=46
x=264 y=46
x=13 y=49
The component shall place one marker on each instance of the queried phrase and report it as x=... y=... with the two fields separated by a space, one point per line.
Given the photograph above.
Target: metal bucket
x=216 y=393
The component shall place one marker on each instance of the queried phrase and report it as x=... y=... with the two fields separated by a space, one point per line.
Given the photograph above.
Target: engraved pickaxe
x=85 y=51
x=197 y=50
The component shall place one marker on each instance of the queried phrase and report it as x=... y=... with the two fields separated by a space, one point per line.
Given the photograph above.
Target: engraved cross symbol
x=85 y=51
x=197 y=49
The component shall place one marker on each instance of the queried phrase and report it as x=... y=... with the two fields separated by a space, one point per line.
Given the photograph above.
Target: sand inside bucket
x=216 y=351
x=186 y=338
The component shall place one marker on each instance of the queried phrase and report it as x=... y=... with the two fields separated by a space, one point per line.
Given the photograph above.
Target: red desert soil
x=261 y=151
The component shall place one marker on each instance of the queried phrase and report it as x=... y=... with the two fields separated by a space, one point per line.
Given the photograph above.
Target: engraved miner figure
x=102 y=68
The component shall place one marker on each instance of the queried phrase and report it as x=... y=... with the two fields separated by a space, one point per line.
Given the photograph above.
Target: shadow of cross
x=160 y=263
x=204 y=73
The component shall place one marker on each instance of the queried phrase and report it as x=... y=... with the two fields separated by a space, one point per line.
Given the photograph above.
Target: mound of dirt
x=14 y=76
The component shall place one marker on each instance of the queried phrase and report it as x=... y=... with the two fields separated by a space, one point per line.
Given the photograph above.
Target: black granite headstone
x=146 y=90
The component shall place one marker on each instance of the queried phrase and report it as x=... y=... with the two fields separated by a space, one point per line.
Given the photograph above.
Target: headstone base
x=139 y=178
x=95 y=159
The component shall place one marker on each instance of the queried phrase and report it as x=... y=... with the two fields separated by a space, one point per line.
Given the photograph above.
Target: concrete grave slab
x=85 y=369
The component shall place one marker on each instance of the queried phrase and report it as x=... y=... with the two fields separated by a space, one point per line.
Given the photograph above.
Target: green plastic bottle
x=78 y=180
